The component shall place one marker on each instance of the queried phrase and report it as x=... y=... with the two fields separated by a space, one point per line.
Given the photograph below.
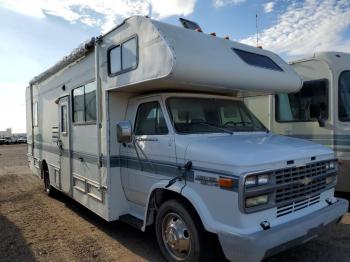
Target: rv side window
x=78 y=105
x=129 y=54
x=84 y=103
x=150 y=120
x=90 y=102
x=309 y=104
x=123 y=57
x=257 y=60
x=115 y=61
x=344 y=97
x=35 y=114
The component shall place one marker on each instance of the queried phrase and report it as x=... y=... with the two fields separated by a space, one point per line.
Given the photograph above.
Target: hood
x=252 y=149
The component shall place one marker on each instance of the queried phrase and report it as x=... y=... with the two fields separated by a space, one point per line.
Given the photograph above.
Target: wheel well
x=159 y=196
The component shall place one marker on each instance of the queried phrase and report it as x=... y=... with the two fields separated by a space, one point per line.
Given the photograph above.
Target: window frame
x=237 y=50
x=137 y=113
x=120 y=44
x=303 y=121
x=340 y=75
x=90 y=122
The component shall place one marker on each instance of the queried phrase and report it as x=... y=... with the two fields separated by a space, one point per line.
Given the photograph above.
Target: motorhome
x=320 y=111
x=146 y=124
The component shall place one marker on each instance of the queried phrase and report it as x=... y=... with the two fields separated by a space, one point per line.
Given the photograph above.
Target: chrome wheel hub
x=176 y=236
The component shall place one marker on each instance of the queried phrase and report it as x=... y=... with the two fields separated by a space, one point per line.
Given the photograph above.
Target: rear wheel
x=180 y=234
x=46 y=178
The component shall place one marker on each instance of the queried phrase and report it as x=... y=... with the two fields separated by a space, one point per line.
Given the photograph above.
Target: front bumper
x=255 y=247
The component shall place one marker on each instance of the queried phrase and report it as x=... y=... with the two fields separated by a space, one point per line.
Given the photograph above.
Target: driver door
x=155 y=150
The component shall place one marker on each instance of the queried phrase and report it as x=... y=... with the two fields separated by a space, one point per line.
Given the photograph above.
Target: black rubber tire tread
x=199 y=238
x=48 y=189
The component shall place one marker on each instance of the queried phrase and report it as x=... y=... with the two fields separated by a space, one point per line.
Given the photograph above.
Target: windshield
x=344 y=96
x=204 y=115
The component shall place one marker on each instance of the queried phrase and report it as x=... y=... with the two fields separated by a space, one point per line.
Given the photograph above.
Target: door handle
x=139 y=139
x=59 y=144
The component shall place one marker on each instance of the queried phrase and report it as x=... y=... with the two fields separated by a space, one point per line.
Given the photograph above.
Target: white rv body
x=72 y=138
x=332 y=68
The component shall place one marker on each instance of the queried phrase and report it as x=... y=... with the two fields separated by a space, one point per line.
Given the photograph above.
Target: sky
x=35 y=34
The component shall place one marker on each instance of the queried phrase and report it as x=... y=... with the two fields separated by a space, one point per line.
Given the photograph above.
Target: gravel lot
x=35 y=227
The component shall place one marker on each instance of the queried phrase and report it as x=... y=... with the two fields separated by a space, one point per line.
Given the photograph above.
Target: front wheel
x=180 y=234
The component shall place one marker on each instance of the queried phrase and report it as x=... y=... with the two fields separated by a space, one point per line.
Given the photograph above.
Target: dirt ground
x=35 y=227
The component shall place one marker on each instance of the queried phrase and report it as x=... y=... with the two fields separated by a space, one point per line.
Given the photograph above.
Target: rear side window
x=84 y=103
x=309 y=104
x=123 y=57
x=257 y=59
x=150 y=120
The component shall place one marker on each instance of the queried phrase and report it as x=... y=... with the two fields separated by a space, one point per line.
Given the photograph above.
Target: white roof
x=175 y=57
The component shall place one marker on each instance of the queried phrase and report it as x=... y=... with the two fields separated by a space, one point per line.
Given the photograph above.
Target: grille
x=298 y=205
x=296 y=173
x=293 y=191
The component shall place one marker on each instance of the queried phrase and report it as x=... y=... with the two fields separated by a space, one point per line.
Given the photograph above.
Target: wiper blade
x=214 y=126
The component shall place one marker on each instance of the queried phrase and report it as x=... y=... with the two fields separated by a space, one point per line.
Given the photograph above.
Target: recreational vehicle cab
x=146 y=124
x=320 y=111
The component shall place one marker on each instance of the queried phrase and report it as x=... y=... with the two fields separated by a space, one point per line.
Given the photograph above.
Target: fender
x=209 y=223
x=191 y=195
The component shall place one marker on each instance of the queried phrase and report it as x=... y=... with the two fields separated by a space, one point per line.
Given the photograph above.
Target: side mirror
x=321 y=122
x=124 y=132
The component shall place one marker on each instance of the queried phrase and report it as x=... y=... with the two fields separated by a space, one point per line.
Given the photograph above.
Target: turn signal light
x=226 y=182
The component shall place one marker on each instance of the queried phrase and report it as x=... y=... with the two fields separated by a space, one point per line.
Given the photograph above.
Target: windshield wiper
x=214 y=126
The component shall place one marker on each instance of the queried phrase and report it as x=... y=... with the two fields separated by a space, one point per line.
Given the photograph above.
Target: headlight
x=250 y=181
x=331 y=165
x=263 y=179
x=257 y=180
x=256 y=201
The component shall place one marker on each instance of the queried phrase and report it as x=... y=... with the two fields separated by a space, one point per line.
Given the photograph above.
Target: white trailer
x=320 y=111
x=146 y=124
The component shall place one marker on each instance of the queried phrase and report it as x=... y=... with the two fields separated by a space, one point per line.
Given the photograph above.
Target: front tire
x=180 y=234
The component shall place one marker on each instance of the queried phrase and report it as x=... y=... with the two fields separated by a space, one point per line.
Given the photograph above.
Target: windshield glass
x=204 y=115
x=344 y=96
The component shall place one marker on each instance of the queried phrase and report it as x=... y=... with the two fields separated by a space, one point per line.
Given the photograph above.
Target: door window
x=344 y=97
x=309 y=104
x=150 y=120
x=64 y=119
